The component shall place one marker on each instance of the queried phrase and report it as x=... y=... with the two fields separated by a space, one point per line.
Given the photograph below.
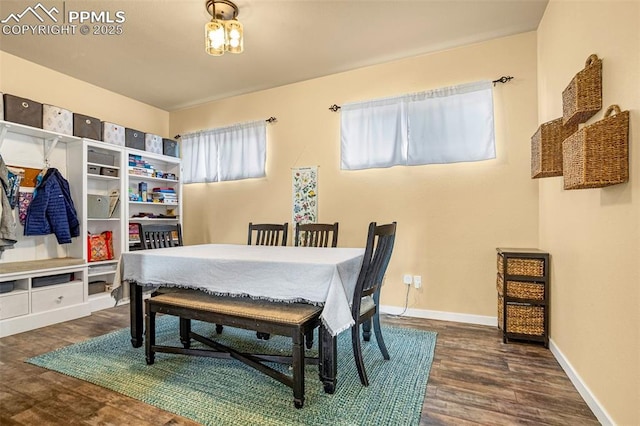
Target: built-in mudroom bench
x=41 y=292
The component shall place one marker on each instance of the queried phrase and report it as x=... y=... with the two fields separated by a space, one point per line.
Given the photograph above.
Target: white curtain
x=227 y=153
x=451 y=124
x=373 y=133
x=444 y=125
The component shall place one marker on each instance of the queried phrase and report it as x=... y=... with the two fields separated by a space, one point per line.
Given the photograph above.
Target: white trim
x=441 y=315
x=101 y=301
x=598 y=410
x=32 y=321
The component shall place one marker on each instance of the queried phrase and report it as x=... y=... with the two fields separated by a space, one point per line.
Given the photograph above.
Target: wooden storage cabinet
x=523 y=294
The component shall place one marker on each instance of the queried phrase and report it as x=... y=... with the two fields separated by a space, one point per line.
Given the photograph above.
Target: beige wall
x=28 y=80
x=594 y=234
x=450 y=217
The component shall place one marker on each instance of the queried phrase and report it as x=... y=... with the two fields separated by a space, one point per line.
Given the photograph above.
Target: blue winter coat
x=51 y=211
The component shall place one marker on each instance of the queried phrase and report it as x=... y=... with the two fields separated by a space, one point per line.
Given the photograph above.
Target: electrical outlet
x=417 y=281
x=407 y=279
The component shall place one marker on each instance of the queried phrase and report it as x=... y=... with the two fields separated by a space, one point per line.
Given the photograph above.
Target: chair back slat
x=268 y=234
x=160 y=236
x=316 y=235
x=377 y=254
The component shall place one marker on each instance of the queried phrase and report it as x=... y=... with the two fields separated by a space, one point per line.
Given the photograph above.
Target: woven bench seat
x=259 y=309
x=286 y=319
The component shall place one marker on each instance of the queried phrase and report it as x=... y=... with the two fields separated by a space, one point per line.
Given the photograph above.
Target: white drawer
x=57 y=296
x=13 y=305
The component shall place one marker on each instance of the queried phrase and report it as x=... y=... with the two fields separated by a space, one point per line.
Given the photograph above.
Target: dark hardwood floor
x=475 y=379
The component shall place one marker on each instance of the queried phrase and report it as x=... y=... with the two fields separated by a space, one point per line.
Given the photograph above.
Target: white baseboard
x=101 y=301
x=593 y=403
x=440 y=315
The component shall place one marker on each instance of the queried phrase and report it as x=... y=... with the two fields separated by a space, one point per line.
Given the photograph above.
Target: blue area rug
x=227 y=392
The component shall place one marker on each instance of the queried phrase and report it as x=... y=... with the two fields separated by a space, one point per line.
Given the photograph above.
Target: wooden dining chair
x=154 y=236
x=264 y=234
x=268 y=234
x=316 y=235
x=380 y=240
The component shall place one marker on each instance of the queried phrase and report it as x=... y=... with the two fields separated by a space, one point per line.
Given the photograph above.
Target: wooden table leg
x=328 y=359
x=135 y=312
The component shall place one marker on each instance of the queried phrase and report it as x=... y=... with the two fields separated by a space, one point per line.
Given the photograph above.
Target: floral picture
x=305 y=194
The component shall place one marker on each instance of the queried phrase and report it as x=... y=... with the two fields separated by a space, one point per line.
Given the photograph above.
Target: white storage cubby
x=26 y=307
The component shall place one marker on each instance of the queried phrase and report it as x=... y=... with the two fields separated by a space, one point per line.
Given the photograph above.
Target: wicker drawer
x=520 y=289
x=522 y=318
x=57 y=296
x=521 y=266
x=13 y=305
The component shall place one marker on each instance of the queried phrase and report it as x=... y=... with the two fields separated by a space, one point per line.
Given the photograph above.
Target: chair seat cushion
x=245 y=307
x=367 y=304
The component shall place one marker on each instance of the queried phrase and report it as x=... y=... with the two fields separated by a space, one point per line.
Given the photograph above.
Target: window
x=446 y=125
x=227 y=153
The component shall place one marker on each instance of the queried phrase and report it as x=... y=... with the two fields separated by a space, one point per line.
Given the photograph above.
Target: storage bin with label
x=97 y=287
x=153 y=143
x=22 y=111
x=51 y=280
x=7 y=286
x=97 y=206
x=113 y=133
x=88 y=127
x=170 y=147
x=57 y=119
x=98 y=157
x=134 y=138
x=109 y=171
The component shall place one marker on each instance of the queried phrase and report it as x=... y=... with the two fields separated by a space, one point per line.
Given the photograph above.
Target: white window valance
x=226 y=153
x=445 y=125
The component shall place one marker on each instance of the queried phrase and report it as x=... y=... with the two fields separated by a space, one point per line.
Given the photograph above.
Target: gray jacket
x=7 y=221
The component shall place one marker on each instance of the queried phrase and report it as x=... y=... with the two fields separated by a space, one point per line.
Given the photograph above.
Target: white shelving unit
x=152 y=212
x=97 y=159
x=26 y=307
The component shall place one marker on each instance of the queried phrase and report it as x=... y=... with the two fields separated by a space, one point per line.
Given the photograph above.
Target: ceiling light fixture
x=224 y=33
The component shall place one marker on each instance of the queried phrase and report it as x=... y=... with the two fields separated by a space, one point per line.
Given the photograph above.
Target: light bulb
x=234 y=36
x=214 y=37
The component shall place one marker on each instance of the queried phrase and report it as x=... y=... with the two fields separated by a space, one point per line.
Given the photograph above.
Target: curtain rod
x=269 y=120
x=503 y=79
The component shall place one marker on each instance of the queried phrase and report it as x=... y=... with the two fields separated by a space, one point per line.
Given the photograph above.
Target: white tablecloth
x=316 y=275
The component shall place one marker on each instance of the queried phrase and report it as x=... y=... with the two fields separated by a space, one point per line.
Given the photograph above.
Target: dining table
x=321 y=276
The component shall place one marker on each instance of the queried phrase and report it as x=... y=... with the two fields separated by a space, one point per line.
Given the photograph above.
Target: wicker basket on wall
x=582 y=98
x=546 y=148
x=598 y=154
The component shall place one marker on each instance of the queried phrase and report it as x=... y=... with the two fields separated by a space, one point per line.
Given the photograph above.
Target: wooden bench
x=286 y=319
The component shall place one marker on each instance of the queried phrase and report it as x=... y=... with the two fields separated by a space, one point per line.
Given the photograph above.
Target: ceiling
x=159 y=58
